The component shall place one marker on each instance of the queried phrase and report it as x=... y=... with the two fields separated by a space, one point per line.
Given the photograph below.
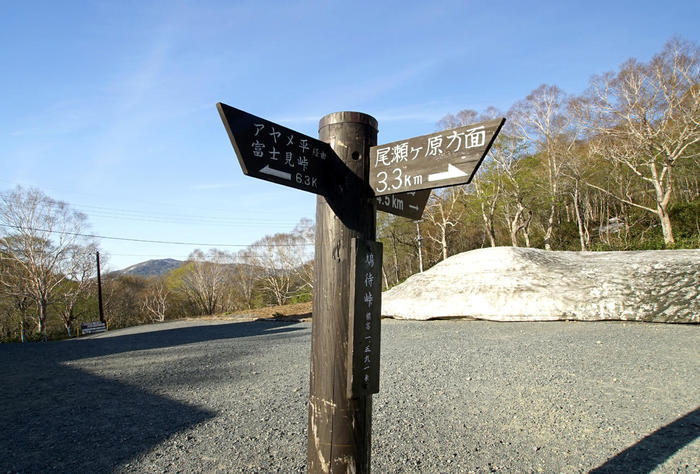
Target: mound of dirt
x=297 y=311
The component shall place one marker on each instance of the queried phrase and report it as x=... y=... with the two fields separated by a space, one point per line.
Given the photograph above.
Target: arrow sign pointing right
x=452 y=172
x=419 y=162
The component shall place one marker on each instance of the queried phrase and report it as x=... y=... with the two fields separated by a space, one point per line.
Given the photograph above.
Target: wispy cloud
x=60 y=118
x=299 y=119
x=425 y=115
x=356 y=93
x=210 y=186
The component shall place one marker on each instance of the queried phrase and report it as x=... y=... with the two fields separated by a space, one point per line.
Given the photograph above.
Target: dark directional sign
x=431 y=161
x=410 y=204
x=275 y=153
x=93 y=327
x=365 y=317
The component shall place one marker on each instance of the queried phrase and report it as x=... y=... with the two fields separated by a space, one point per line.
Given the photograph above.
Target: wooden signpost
x=432 y=161
x=352 y=178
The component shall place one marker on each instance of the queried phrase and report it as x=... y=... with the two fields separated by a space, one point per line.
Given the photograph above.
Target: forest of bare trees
x=48 y=275
x=614 y=168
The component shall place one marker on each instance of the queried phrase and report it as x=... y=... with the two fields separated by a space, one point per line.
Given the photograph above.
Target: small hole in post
x=355 y=155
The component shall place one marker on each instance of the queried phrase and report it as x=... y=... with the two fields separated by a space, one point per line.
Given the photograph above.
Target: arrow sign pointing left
x=269 y=151
x=273 y=172
x=408 y=205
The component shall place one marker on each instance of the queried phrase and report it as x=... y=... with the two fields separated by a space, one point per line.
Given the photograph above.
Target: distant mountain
x=150 y=268
x=159 y=267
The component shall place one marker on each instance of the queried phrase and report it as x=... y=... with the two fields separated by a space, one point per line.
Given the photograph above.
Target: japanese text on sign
x=366 y=317
x=275 y=153
x=410 y=204
x=456 y=142
x=431 y=161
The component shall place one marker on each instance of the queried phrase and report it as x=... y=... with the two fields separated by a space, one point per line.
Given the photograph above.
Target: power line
x=198 y=218
x=199 y=222
x=115 y=213
x=127 y=239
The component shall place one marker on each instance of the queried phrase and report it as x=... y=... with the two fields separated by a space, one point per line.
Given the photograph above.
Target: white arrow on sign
x=273 y=172
x=414 y=207
x=452 y=172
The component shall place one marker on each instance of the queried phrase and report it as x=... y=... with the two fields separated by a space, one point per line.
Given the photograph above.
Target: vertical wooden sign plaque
x=365 y=318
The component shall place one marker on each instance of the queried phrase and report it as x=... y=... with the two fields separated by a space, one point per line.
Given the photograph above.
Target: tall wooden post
x=339 y=434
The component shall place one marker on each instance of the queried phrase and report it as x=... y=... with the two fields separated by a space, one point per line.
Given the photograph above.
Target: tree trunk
x=396 y=257
x=550 y=229
x=420 y=248
x=526 y=234
x=488 y=226
x=514 y=226
x=42 y=318
x=663 y=197
x=579 y=219
x=443 y=242
x=666 y=225
x=526 y=229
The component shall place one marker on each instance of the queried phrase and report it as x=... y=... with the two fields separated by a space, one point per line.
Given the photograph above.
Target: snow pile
x=523 y=284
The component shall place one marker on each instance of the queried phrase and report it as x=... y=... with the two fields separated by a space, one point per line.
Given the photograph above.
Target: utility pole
x=339 y=426
x=99 y=290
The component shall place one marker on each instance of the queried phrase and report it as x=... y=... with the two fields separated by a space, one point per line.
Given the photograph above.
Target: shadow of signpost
x=58 y=417
x=117 y=342
x=73 y=421
x=654 y=449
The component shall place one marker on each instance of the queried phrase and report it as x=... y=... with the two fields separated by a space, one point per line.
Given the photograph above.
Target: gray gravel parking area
x=456 y=396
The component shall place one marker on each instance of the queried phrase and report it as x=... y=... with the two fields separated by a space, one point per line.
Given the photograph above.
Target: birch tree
x=155 y=299
x=16 y=300
x=487 y=185
x=39 y=237
x=76 y=287
x=246 y=274
x=206 y=282
x=542 y=120
x=272 y=255
x=301 y=261
x=646 y=117
x=444 y=212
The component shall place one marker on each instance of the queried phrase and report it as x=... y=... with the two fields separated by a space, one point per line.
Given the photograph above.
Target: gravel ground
x=456 y=396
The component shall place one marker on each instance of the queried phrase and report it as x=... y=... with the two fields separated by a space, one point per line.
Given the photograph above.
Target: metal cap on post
x=339 y=427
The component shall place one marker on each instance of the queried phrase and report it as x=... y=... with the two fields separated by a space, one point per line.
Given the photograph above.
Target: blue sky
x=110 y=105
